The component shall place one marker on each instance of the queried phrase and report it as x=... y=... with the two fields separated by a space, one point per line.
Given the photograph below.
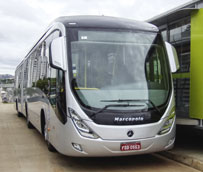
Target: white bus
x=99 y=86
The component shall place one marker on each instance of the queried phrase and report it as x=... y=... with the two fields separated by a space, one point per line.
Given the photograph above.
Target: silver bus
x=99 y=86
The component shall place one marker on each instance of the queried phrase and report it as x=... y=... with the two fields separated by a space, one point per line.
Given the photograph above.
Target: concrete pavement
x=24 y=150
x=188 y=147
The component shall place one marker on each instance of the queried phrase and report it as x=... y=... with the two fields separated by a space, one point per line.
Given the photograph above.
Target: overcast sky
x=23 y=21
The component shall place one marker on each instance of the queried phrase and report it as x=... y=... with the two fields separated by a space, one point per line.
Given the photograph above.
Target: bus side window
x=52 y=88
x=57 y=94
x=61 y=97
x=56 y=81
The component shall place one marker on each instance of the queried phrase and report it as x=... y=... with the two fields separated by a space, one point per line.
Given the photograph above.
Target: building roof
x=174 y=14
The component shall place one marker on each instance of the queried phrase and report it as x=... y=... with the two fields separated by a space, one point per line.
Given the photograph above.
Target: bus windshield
x=118 y=67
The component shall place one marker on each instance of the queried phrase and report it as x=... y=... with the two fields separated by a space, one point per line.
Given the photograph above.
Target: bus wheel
x=50 y=147
x=18 y=113
x=29 y=124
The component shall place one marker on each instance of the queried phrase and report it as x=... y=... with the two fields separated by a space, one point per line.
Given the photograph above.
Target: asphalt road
x=24 y=150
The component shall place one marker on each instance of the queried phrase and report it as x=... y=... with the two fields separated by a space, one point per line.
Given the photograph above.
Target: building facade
x=183 y=28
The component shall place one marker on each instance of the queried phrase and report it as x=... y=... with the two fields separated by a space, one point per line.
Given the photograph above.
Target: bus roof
x=90 y=21
x=105 y=22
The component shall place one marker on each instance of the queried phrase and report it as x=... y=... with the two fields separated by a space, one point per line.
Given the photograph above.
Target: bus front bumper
x=84 y=147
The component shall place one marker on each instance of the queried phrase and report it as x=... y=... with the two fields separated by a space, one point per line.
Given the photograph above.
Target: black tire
x=18 y=113
x=29 y=124
x=16 y=105
x=50 y=147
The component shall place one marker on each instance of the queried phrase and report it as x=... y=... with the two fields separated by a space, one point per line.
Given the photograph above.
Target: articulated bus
x=99 y=86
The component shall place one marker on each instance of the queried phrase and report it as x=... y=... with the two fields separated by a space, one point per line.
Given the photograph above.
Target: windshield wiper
x=135 y=100
x=112 y=105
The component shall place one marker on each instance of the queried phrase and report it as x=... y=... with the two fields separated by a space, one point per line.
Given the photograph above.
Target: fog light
x=77 y=146
x=171 y=141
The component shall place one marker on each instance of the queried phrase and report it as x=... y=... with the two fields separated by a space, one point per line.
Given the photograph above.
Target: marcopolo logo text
x=128 y=119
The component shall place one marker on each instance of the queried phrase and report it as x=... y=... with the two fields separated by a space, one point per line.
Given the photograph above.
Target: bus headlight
x=83 y=129
x=169 y=122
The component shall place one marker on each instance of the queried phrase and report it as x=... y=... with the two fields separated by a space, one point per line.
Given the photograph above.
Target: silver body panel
x=111 y=147
x=111 y=137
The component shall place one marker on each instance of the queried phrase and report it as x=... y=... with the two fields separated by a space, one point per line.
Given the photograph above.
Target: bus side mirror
x=58 y=54
x=173 y=57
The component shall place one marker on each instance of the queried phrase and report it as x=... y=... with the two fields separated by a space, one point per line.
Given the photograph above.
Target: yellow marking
x=84 y=88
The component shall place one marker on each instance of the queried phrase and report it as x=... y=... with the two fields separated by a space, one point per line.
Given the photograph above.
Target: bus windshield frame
x=133 y=63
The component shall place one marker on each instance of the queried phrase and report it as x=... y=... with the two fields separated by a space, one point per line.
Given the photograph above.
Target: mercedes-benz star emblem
x=130 y=133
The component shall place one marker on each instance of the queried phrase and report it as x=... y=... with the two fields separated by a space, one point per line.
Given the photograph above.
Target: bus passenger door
x=57 y=98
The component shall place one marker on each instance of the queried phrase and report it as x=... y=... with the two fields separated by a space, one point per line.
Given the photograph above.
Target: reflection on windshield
x=119 y=65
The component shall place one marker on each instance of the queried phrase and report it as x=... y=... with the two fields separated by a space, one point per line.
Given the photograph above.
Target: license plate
x=130 y=146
